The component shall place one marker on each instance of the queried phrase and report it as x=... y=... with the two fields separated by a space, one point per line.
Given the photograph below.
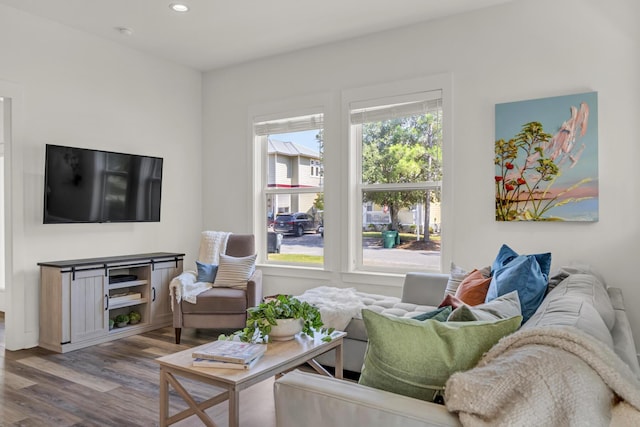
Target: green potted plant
x=121 y=320
x=263 y=320
x=134 y=317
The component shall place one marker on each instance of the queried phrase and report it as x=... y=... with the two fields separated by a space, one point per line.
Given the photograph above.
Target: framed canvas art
x=546 y=159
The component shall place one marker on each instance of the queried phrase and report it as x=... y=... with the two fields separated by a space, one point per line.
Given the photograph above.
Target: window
x=397 y=158
x=291 y=188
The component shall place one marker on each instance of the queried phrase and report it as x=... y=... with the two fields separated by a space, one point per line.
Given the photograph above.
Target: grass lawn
x=308 y=259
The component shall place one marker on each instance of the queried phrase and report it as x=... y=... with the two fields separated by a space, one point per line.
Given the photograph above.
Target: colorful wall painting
x=546 y=159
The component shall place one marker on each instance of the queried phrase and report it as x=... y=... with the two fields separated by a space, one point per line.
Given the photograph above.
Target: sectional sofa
x=581 y=323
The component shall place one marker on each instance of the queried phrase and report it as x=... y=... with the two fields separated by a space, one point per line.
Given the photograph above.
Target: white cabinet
x=88 y=319
x=78 y=298
x=161 y=274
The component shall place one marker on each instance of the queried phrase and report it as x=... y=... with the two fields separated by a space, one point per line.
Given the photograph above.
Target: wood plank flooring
x=112 y=384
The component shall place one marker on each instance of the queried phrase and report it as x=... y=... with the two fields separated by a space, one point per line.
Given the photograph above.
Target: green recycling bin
x=390 y=239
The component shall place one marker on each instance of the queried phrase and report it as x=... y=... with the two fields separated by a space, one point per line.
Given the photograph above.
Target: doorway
x=4 y=128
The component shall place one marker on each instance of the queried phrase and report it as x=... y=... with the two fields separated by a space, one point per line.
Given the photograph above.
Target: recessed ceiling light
x=179 y=7
x=124 y=31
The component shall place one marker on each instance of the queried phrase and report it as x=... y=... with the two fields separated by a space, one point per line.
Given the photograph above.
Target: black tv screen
x=84 y=185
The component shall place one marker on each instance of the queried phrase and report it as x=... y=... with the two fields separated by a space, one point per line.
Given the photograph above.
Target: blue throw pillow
x=506 y=255
x=527 y=274
x=206 y=272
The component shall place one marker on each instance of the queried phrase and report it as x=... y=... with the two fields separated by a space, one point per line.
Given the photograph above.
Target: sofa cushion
x=591 y=290
x=393 y=306
x=473 y=289
x=415 y=358
x=503 y=307
x=527 y=274
x=621 y=333
x=566 y=309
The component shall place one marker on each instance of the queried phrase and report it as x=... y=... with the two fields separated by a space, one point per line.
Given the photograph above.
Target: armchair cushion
x=234 y=271
x=218 y=300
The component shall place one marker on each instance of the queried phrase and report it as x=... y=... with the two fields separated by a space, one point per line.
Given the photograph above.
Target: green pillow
x=415 y=358
x=440 y=314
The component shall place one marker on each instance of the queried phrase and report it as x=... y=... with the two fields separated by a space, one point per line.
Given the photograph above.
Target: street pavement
x=373 y=254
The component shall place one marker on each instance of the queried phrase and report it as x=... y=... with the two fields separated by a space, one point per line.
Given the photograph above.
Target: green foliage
x=401 y=150
x=134 y=316
x=319 y=201
x=261 y=318
x=122 y=318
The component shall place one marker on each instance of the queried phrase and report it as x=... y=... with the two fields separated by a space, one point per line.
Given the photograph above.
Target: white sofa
x=312 y=400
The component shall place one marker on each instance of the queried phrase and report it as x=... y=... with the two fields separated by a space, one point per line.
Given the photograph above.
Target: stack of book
x=228 y=355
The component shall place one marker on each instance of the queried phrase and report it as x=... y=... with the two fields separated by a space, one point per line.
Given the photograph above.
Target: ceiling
x=219 y=33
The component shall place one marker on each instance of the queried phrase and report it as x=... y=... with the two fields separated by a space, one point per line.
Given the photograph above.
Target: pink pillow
x=452 y=301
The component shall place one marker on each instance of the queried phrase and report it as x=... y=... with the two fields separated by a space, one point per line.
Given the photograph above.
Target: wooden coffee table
x=279 y=358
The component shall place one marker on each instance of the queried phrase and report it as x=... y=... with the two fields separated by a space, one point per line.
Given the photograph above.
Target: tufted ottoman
x=421 y=292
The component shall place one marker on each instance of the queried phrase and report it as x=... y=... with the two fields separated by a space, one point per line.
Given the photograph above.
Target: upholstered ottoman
x=341 y=308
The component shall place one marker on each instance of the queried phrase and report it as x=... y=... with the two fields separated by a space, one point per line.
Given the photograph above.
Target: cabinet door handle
x=153 y=294
x=106 y=302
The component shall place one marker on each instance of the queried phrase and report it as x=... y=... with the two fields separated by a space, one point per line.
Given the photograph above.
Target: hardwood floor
x=111 y=384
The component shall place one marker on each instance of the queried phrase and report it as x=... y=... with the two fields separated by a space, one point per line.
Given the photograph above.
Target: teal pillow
x=415 y=358
x=503 y=307
x=206 y=272
x=527 y=274
x=440 y=314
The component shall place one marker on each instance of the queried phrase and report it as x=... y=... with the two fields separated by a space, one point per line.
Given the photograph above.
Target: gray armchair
x=221 y=308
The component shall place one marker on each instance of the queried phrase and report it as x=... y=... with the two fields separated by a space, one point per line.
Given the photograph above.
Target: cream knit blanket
x=337 y=306
x=546 y=376
x=186 y=286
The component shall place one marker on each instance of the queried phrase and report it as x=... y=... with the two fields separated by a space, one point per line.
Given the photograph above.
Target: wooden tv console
x=78 y=297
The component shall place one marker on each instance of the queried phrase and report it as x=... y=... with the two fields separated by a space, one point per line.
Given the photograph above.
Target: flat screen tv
x=84 y=185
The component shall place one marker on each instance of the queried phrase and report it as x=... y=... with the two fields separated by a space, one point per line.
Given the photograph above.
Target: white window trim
x=310 y=105
x=403 y=91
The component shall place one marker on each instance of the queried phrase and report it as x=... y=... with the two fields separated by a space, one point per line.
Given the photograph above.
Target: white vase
x=285 y=330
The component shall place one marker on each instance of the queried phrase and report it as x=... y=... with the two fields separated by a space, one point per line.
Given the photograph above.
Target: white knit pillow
x=234 y=272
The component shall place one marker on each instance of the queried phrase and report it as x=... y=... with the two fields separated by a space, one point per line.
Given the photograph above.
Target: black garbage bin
x=274 y=240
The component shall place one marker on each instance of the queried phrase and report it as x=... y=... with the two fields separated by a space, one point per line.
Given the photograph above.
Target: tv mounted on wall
x=83 y=185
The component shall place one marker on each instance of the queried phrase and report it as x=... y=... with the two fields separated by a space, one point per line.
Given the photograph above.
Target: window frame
x=260 y=159
x=387 y=94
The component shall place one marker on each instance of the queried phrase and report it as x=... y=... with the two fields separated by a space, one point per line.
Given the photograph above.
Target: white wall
x=80 y=90
x=523 y=50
